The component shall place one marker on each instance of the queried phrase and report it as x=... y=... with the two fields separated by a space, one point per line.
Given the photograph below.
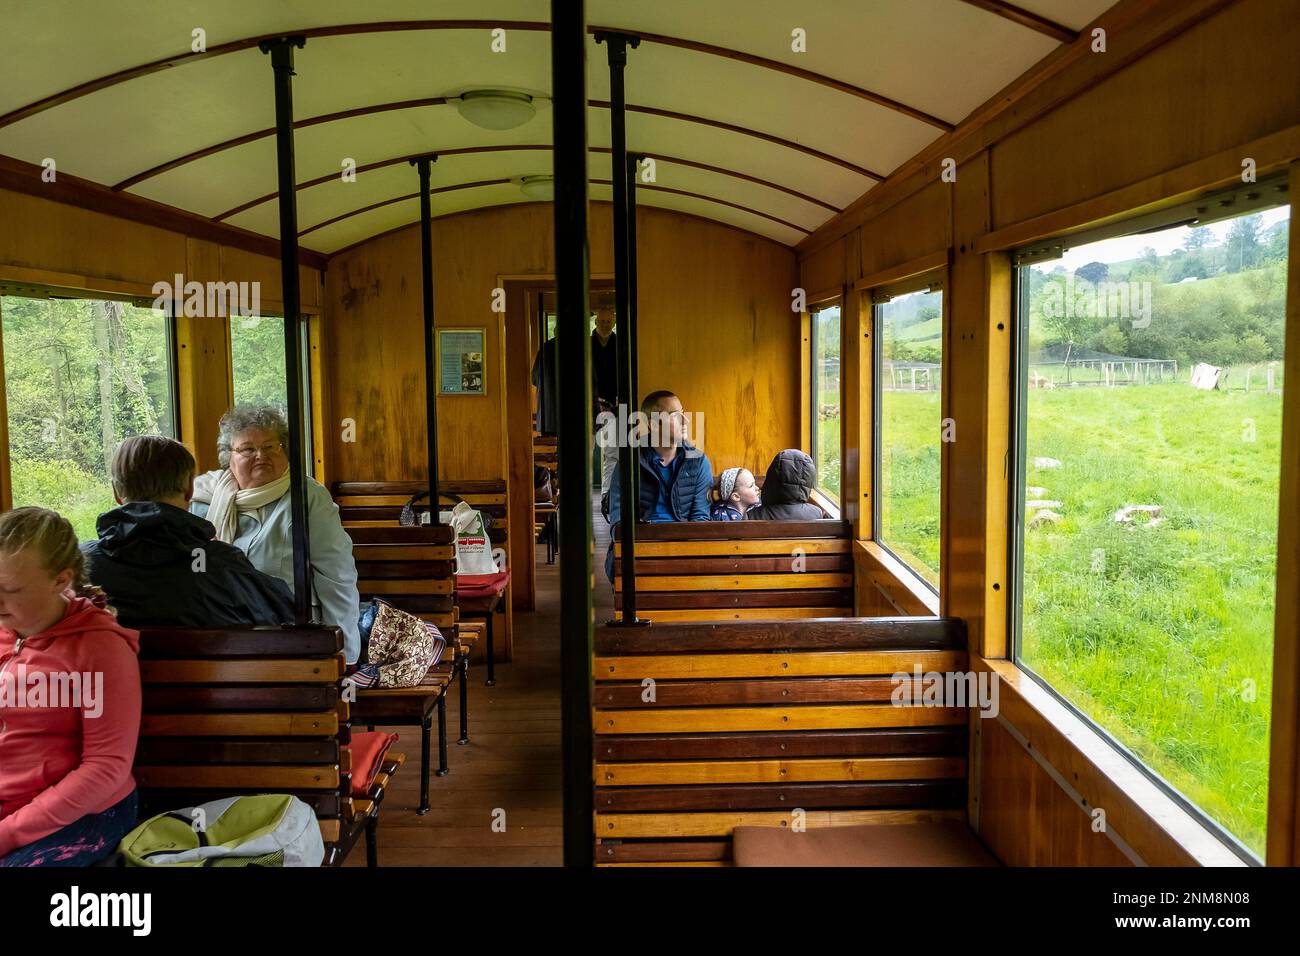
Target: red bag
x=368 y=750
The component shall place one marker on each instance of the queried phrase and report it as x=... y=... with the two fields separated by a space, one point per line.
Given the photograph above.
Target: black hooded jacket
x=786 y=488
x=147 y=561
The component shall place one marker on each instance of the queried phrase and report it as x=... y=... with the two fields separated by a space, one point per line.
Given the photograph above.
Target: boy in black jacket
x=787 y=489
x=162 y=566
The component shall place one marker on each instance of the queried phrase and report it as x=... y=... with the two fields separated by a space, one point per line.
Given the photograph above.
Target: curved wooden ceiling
x=743 y=129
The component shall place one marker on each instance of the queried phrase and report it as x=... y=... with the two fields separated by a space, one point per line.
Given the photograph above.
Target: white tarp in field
x=1206 y=376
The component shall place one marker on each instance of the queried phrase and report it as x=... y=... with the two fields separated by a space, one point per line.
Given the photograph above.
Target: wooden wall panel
x=824 y=270
x=1187 y=86
x=916 y=227
x=203 y=357
x=714 y=325
x=52 y=243
x=1228 y=80
x=42 y=234
x=1027 y=817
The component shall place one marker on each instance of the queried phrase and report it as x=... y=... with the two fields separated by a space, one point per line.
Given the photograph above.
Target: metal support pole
x=617 y=44
x=572 y=275
x=281 y=51
x=633 y=164
x=422 y=164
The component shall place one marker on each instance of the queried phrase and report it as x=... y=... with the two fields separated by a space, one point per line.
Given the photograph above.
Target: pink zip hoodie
x=63 y=755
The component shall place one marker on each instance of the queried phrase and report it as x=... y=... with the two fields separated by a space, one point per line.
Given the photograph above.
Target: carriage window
x=81 y=375
x=258 y=368
x=909 y=349
x=257 y=360
x=826 y=399
x=1150 y=380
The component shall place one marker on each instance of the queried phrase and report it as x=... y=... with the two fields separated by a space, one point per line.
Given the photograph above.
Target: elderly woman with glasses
x=248 y=502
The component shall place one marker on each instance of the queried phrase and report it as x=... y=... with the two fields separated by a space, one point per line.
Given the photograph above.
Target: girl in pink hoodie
x=69 y=703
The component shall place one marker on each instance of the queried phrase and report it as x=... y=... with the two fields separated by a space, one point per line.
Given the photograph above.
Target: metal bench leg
x=491 y=649
x=426 y=728
x=443 y=769
x=464 y=700
x=372 y=838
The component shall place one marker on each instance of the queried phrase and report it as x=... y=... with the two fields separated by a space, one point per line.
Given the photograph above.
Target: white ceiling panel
x=940 y=57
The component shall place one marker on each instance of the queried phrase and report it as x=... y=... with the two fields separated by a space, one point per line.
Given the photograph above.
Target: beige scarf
x=226 y=501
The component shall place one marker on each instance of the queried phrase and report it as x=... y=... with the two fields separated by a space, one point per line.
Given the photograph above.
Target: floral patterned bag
x=402 y=646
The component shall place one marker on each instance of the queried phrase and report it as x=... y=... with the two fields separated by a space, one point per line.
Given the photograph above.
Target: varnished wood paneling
x=1027 y=817
x=919 y=226
x=823 y=270
x=203 y=360
x=700 y=284
x=1176 y=105
x=799 y=664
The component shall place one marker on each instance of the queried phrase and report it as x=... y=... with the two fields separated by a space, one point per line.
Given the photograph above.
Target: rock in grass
x=1046 y=463
x=1041 y=503
x=1129 y=514
x=1045 y=516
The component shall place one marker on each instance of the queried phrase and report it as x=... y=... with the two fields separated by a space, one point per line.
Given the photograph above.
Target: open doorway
x=530 y=323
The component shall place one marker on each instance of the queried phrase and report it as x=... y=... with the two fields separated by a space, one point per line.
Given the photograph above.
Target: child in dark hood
x=789 y=483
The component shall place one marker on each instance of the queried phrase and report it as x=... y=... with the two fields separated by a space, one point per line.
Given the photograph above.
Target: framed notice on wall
x=460 y=362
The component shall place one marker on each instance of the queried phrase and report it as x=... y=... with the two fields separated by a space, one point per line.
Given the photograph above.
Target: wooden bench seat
x=940 y=843
x=236 y=711
x=413 y=568
x=704 y=727
x=413 y=706
x=369 y=508
x=740 y=570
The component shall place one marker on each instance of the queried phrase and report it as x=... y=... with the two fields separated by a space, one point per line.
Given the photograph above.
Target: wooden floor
x=511 y=765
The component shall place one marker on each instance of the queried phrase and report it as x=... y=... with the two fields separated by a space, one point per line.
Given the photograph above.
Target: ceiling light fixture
x=541 y=188
x=495 y=109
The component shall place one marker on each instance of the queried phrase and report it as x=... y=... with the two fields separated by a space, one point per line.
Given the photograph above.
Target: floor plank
x=511 y=766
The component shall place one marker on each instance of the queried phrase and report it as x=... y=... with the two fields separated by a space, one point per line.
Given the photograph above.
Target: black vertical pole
x=281 y=51
x=422 y=165
x=633 y=163
x=618 y=44
x=572 y=274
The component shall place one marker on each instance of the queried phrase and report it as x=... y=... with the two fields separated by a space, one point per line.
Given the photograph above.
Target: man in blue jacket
x=675 y=477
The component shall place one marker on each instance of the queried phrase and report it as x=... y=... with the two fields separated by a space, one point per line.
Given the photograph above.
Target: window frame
x=875 y=296
x=835 y=301
x=304 y=376
x=171 y=347
x=1232 y=203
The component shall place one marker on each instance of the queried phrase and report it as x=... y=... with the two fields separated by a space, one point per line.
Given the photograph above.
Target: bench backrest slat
x=735 y=570
x=244 y=711
x=748 y=720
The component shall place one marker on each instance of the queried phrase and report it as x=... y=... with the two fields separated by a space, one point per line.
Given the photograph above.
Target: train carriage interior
x=623 y=435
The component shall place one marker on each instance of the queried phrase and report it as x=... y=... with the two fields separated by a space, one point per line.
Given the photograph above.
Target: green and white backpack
x=271 y=829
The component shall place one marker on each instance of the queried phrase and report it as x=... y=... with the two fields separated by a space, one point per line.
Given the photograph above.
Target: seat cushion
x=947 y=843
x=368 y=749
x=483 y=587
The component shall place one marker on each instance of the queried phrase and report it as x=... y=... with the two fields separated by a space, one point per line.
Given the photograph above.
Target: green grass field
x=1161 y=634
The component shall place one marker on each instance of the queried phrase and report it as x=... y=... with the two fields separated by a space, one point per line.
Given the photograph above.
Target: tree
x=1094 y=272
x=1197 y=238
x=1243 y=242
